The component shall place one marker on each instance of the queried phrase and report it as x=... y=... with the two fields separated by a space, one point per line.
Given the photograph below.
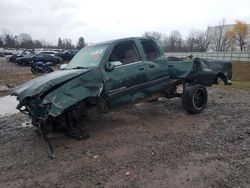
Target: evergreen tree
x=81 y=43
x=59 y=43
x=1 y=42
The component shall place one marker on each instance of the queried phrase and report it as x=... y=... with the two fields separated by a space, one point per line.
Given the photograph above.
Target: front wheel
x=194 y=98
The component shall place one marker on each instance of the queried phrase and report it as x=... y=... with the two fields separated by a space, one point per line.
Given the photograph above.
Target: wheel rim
x=199 y=98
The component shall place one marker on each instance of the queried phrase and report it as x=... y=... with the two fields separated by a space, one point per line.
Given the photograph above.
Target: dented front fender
x=42 y=99
x=72 y=92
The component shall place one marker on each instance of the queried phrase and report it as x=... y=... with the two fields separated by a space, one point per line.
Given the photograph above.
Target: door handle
x=142 y=68
x=151 y=66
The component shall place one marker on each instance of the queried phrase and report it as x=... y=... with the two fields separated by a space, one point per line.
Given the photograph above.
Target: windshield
x=88 y=57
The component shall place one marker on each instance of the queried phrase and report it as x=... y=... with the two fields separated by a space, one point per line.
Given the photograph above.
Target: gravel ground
x=153 y=144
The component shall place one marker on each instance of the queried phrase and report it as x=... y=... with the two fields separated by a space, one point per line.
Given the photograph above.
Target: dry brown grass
x=15 y=78
x=241 y=76
x=12 y=74
x=241 y=71
x=16 y=75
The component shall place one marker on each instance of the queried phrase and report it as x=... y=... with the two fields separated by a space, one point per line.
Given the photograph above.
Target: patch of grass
x=236 y=85
x=241 y=72
x=241 y=85
x=16 y=79
x=241 y=76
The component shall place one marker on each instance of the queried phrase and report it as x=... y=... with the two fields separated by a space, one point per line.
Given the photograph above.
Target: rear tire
x=194 y=98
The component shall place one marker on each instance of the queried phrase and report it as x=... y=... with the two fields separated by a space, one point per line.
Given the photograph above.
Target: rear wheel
x=194 y=98
x=220 y=79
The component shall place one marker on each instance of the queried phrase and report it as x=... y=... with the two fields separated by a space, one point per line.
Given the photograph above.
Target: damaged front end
x=34 y=109
x=39 y=114
x=59 y=104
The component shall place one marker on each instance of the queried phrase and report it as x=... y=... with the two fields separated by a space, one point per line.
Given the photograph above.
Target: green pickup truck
x=112 y=73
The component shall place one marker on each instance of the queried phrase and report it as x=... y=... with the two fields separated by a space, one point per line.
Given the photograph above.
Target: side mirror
x=111 y=65
x=63 y=66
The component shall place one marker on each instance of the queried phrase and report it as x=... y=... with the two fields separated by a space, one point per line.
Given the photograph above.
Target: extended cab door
x=157 y=66
x=125 y=81
x=206 y=75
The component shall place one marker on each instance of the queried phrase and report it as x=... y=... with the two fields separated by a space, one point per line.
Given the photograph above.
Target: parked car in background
x=21 y=54
x=67 y=55
x=10 y=51
x=28 y=60
x=48 y=52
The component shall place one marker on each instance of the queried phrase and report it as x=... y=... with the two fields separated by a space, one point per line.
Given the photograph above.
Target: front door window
x=125 y=81
x=124 y=52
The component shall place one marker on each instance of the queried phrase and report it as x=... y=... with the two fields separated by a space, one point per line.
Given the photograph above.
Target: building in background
x=219 y=39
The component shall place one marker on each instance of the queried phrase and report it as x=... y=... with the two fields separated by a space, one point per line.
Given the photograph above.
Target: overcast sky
x=100 y=20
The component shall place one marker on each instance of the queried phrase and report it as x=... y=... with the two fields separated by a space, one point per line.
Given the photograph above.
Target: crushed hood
x=40 y=85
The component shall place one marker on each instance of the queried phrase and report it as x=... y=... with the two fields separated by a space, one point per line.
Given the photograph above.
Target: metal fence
x=228 y=56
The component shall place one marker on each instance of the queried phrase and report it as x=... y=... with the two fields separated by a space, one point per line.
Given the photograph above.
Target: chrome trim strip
x=138 y=85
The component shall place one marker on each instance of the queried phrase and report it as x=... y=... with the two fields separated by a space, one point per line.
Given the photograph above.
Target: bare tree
x=197 y=41
x=231 y=43
x=174 y=42
x=8 y=39
x=25 y=40
x=159 y=37
x=37 y=44
x=44 y=42
x=190 y=41
x=219 y=37
x=67 y=44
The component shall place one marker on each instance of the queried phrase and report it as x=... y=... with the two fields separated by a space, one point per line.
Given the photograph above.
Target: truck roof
x=119 y=40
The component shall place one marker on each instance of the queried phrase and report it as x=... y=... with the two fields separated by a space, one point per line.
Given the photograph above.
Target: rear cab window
x=150 y=49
